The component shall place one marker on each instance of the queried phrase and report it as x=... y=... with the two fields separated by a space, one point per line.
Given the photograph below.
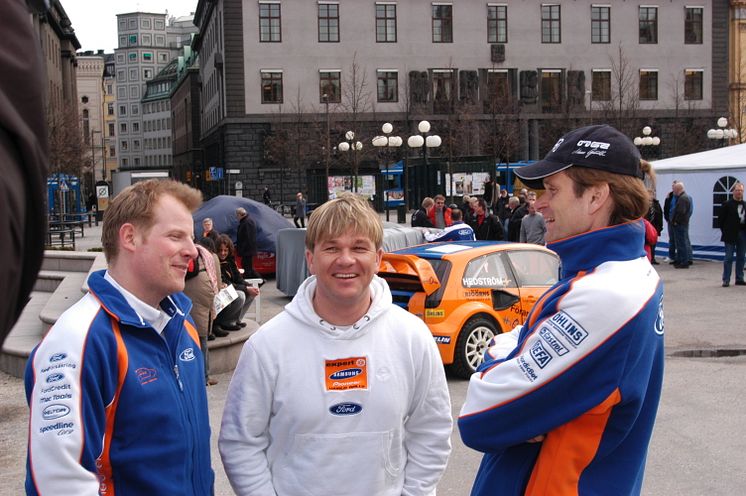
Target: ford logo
x=187 y=355
x=53 y=412
x=54 y=378
x=57 y=357
x=341 y=409
x=345 y=374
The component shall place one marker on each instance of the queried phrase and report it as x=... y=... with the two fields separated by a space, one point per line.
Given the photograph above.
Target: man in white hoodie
x=343 y=392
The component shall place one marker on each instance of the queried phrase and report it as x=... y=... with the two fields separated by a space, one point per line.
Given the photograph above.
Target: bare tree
x=623 y=106
x=66 y=144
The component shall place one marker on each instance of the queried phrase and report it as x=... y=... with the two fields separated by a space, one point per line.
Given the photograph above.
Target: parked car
x=469 y=291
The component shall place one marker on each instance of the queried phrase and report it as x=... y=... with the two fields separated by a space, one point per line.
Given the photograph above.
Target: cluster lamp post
x=353 y=146
x=722 y=134
x=645 y=141
x=424 y=141
x=385 y=143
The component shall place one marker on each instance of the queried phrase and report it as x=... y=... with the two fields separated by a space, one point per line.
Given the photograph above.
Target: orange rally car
x=468 y=291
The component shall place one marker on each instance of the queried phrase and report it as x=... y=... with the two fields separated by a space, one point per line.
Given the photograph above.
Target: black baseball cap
x=599 y=147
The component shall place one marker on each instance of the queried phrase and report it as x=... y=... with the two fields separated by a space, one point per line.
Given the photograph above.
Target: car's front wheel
x=471 y=344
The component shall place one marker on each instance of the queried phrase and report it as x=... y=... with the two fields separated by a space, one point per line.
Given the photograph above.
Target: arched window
x=721 y=193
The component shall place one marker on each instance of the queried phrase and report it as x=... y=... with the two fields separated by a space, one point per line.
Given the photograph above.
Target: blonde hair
x=136 y=204
x=347 y=213
x=630 y=197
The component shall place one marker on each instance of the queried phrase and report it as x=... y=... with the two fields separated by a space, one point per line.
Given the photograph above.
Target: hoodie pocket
x=344 y=463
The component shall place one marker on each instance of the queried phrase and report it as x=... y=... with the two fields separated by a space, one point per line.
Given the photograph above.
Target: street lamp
x=646 y=140
x=429 y=141
x=386 y=143
x=723 y=133
x=355 y=146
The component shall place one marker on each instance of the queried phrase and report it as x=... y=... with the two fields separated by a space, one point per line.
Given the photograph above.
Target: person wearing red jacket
x=440 y=215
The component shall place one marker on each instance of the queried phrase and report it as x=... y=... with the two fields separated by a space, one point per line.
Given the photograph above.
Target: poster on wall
x=366 y=186
x=466 y=183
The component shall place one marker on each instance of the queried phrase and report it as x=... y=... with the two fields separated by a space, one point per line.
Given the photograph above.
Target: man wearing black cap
x=565 y=403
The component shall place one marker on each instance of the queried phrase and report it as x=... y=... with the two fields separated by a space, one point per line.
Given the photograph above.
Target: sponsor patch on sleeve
x=343 y=374
x=569 y=328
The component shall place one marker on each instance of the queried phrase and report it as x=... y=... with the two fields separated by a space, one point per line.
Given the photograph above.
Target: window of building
x=120 y=58
x=722 y=191
x=111 y=129
x=551 y=91
x=145 y=23
x=550 y=24
x=122 y=128
x=132 y=40
x=112 y=151
x=135 y=91
x=147 y=74
x=122 y=41
x=135 y=127
x=121 y=76
x=109 y=89
x=163 y=57
x=271 y=86
x=132 y=56
x=693 y=80
x=443 y=91
x=387 y=85
x=442 y=23
x=328 y=22
x=330 y=84
x=693 y=26
x=123 y=145
x=600 y=24
x=147 y=56
x=109 y=109
x=137 y=161
x=160 y=25
x=601 y=85
x=385 y=23
x=122 y=110
x=497 y=24
x=124 y=162
x=497 y=95
x=122 y=24
x=132 y=23
x=269 y=22
x=121 y=92
x=648 y=25
x=160 y=40
x=136 y=144
x=133 y=75
x=134 y=109
x=648 y=84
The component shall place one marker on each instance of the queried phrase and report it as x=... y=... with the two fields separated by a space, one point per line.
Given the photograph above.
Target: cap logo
x=557 y=144
x=588 y=148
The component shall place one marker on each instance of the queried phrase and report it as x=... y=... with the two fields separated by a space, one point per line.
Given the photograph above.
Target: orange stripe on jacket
x=104 y=461
x=192 y=332
x=569 y=449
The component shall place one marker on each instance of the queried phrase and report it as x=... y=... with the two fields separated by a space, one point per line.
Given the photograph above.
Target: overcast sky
x=95 y=22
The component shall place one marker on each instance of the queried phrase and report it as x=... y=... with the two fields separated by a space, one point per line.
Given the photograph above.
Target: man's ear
x=599 y=197
x=128 y=238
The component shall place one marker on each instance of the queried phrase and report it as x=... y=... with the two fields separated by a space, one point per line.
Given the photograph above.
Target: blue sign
x=216 y=173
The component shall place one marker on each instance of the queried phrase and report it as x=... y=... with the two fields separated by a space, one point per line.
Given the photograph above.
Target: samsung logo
x=342 y=409
x=345 y=374
x=53 y=412
x=55 y=378
x=187 y=355
x=57 y=357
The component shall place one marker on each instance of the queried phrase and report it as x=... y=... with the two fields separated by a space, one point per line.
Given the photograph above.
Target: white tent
x=708 y=178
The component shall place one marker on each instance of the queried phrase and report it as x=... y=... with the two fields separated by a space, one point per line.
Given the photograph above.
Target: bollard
x=401 y=214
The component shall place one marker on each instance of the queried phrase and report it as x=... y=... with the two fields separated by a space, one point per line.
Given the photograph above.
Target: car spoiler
x=412 y=266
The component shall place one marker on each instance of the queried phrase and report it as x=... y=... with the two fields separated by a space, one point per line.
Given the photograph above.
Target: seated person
x=231 y=318
x=458 y=231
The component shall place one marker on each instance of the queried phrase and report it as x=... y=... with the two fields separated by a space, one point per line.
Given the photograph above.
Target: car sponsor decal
x=484 y=282
x=540 y=355
x=54 y=378
x=62 y=428
x=447 y=248
x=57 y=357
x=568 y=327
x=442 y=339
x=435 y=313
x=146 y=375
x=527 y=369
x=343 y=374
x=345 y=409
x=55 y=397
x=659 y=323
x=476 y=294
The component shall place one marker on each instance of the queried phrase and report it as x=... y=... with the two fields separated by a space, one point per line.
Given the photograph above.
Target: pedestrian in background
x=669 y=204
x=104 y=384
x=732 y=224
x=579 y=382
x=299 y=217
x=440 y=215
x=486 y=226
x=682 y=212
x=208 y=230
x=533 y=227
x=246 y=241
x=421 y=216
x=231 y=317
x=343 y=392
x=267 y=197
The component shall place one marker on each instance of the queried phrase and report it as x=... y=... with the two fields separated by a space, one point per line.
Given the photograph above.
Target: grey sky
x=95 y=21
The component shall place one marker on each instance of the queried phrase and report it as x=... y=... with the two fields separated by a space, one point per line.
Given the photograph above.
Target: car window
x=535 y=268
x=488 y=271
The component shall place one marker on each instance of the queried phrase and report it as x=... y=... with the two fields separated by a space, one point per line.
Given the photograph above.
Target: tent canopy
x=708 y=178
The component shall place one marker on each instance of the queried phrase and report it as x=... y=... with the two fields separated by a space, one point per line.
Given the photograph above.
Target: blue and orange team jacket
x=585 y=370
x=116 y=408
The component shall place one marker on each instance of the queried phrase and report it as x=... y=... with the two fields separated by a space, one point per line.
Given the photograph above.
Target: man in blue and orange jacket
x=116 y=389
x=565 y=404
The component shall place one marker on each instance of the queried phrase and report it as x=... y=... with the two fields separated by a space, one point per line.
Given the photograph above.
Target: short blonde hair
x=135 y=205
x=347 y=213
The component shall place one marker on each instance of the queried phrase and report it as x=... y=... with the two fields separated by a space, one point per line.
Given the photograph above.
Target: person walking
x=579 y=382
x=246 y=241
x=420 y=217
x=732 y=224
x=486 y=227
x=116 y=389
x=343 y=392
x=655 y=217
x=299 y=217
x=267 y=197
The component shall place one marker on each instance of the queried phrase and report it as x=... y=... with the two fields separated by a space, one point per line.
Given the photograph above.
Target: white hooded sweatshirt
x=314 y=409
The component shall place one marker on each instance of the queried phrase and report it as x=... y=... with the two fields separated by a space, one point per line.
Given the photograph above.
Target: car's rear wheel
x=471 y=344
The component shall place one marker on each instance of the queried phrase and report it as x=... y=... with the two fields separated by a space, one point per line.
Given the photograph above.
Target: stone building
x=282 y=80
x=91 y=109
